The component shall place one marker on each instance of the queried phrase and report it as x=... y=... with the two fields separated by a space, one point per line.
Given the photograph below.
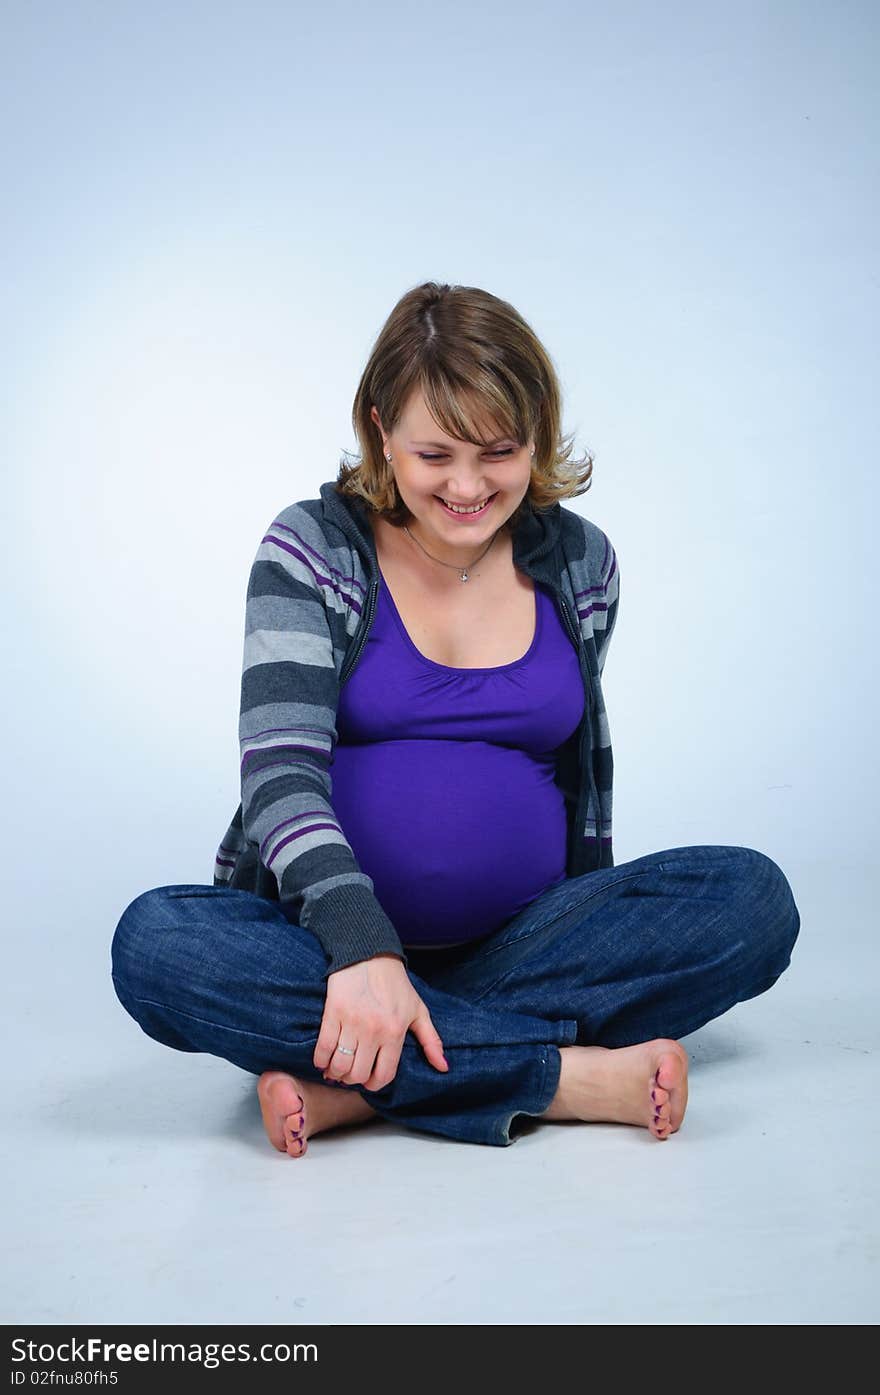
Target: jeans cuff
x=552 y=1068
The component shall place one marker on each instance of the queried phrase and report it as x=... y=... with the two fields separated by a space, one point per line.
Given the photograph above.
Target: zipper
x=585 y=765
x=354 y=653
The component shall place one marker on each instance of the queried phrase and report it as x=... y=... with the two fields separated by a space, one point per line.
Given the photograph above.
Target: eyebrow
x=443 y=446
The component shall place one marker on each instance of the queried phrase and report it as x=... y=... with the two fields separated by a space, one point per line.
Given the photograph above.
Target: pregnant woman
x=415 y=913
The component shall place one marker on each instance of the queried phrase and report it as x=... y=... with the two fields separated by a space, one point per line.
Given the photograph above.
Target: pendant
x=463 y=576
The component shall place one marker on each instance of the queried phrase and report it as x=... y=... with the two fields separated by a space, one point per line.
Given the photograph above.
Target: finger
x=340 y=1061
x=423 y=1028
x=328 y=1040
x=361 y=1063
x=385 y=1068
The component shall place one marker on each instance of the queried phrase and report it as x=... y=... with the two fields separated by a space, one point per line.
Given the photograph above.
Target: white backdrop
x=210 y=211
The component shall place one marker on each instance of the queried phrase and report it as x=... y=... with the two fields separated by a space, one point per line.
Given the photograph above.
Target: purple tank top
x=443 y=778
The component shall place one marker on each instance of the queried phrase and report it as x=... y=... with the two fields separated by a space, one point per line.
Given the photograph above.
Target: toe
x=670 y=1072
x=672 y=1076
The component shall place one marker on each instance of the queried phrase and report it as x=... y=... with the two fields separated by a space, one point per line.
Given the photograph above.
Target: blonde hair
x=479 y=367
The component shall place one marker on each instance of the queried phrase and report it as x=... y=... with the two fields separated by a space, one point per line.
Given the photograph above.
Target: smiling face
x=434 y=471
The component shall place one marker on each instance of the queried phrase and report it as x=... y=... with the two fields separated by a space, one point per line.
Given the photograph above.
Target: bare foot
x=293 y=1109
x=644 y=1084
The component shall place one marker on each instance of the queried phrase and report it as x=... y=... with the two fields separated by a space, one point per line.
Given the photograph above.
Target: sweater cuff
x=351 y=925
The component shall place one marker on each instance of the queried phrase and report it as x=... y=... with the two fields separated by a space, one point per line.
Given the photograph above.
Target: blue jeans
x=655 y=947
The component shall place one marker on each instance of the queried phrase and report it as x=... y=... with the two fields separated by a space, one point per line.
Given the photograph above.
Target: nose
x=466 y=494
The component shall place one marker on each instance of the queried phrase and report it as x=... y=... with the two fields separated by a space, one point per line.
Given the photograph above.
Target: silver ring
x=346 y=1050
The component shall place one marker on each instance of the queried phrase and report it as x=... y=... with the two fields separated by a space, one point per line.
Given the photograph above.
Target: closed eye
x=422 y=456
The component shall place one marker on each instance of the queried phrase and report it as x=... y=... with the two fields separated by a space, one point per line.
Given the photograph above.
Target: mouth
x=466 y=513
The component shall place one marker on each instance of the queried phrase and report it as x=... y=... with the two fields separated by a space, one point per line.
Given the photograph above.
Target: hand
x=371 y=1006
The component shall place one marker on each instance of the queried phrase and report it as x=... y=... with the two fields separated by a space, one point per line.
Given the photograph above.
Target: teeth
x=475 y=508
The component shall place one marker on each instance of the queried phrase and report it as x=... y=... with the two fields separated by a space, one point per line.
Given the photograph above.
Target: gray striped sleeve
x=287 y=733
x=611 y=598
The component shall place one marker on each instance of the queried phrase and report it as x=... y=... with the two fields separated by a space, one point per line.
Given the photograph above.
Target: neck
x=440 y=551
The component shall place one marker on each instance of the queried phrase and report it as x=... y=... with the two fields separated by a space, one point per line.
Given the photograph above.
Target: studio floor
x=142 y=1188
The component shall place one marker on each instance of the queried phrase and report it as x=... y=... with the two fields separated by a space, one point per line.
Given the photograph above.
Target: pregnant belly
x=456 y=836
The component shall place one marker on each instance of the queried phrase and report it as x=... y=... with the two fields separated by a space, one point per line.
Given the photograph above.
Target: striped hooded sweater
x=311 y=600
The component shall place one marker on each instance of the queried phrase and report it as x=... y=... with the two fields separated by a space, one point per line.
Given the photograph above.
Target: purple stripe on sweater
x=603 y=585
x=323 y=560
x=321 y=580
x=305 y=814
x=224 y=862
x=582 y=614
x=312 y=828
x=287 y=823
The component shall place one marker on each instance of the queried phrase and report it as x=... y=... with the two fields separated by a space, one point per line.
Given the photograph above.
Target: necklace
x=462 y=571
